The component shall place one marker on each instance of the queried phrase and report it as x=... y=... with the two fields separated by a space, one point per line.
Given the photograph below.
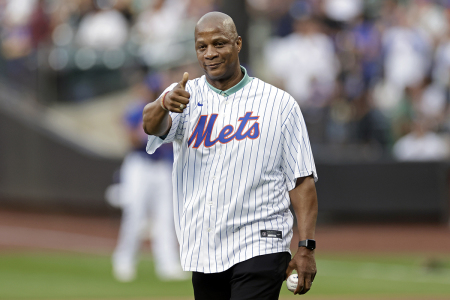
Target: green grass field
x=76 y=276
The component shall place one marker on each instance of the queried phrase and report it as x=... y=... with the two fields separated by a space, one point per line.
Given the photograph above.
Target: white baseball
x=292 y=282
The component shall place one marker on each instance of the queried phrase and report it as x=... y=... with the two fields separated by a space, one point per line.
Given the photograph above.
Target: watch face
x=309 y=244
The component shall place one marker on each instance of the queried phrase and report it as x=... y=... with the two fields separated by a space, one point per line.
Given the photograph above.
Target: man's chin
x=215 y=74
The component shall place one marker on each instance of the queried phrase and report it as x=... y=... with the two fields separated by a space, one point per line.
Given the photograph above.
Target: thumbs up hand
x=177 y=99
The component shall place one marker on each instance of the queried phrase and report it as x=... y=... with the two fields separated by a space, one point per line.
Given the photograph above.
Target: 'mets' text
x=203 y=130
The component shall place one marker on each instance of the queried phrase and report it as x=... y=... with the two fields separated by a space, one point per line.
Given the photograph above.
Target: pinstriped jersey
x=236 y=157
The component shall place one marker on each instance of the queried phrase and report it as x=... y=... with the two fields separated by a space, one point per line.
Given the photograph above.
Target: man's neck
x=224 y=85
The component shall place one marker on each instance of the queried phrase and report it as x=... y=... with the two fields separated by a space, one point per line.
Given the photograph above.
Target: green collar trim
x=235 y=88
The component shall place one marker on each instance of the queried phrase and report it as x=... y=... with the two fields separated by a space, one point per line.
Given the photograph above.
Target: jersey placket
x=209 y=221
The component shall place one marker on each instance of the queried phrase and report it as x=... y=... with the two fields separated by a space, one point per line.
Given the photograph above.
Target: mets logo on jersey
x=203 y=130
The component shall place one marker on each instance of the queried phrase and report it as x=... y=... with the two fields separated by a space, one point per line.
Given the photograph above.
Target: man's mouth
x=213 y=65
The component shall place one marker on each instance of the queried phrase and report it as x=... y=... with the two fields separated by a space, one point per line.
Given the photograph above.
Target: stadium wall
x=40 y=171
x=384 y=192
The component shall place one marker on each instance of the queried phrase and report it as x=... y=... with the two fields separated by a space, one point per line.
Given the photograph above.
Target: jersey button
x=214 y=177
x=209 y=229
x=210 y=203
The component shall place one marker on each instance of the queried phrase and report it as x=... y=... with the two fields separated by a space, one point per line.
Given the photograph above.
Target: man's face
x=217 y=51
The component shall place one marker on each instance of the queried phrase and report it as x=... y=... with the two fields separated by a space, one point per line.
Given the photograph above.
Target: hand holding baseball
x=305 y=264
x=177 y=99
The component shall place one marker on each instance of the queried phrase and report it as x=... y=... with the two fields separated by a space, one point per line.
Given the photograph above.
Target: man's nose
x=210 y=52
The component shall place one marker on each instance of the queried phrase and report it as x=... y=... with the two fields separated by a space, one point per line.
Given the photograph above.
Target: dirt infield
x=30 y=231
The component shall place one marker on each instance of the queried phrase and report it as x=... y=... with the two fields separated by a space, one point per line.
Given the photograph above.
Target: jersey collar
x=235 y=88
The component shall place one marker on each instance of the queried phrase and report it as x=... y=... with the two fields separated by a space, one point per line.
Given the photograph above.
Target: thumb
x=184 y=80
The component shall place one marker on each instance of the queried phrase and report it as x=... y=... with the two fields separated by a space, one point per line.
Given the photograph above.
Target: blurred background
x=372 y=78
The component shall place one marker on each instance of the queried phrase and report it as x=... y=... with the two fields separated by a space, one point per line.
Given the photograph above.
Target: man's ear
x=239 y=43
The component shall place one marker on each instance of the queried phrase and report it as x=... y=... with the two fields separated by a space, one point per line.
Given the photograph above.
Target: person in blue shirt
x=145 y=194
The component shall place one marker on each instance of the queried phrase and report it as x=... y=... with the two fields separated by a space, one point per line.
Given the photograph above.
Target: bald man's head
x=217 y=19
x=218 y=45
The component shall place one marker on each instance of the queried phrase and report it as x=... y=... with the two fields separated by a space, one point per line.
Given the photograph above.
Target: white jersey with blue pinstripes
x=235 y=159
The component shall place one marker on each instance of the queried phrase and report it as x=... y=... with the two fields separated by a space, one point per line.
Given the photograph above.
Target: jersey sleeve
x=177 y=130
x=297 y=158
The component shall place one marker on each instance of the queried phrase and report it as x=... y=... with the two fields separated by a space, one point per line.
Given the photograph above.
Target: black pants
x=259 y=278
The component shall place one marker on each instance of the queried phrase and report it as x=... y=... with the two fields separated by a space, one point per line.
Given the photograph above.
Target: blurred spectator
x=372 y=126
x=153 y=23
x=19 y=11
x=389 y=101
x=407 y=52
x=366 y=37
x=104 y=28
x=158 y=29
x=343 y=10
x=39 y=25
x=403 y=114
x=421 y=144
x=441 y=69
x=433 y=103
x=304 y=61
x=16 y=35
x=195 y=9
x=430 y=18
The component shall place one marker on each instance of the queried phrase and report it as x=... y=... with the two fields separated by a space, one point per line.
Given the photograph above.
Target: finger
x=176 y=110
x=174 y=96
x=307 y=286
x=289 y=269
x=179 y=100
x=176 y=106
x=184 y=80
x=300 y=284
x=181 y=92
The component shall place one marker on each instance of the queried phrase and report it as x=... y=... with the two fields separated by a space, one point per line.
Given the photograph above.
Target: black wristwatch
x=308 y=244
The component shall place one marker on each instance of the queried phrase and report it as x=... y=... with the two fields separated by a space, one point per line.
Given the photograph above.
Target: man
x=241 y=157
